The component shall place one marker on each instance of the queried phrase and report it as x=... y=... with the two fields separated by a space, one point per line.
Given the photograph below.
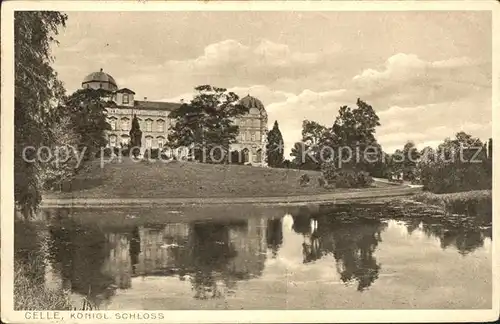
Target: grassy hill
x=144 y=179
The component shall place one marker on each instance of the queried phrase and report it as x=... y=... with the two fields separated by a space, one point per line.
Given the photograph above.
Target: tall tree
x=312 y=132
x=490 y=148
x=302 y=158
x=207 y=122
x=87 y=110
x=355 y=129
x=411 y=156
x=62 y=165
x=37 y=91
x=456 y=166
x=275 y=147
x=315 y=136
x=135 y=136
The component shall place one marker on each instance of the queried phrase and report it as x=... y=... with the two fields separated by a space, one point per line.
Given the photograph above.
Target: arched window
x=161 y=141
x=149 y=141
x=245 y=155
x=149 y=125
x=125 y=123
x=112 y=123
x=125 y=139
x=258 y=156
x=160 y=125
x=112 y=140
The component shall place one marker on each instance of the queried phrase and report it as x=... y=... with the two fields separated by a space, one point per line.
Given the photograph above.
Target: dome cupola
x=253 y=104
x=99 y=80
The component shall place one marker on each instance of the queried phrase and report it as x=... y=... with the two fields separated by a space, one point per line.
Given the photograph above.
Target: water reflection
x=215 y=257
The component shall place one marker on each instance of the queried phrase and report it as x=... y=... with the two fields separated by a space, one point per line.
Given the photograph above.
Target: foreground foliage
x=37 y=91
x=30 y=295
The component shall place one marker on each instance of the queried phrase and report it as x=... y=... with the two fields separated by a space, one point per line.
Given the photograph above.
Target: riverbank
x=341 y=197
x=153 y=180
x=469 y=203
x=29 y=295
x=30 y=290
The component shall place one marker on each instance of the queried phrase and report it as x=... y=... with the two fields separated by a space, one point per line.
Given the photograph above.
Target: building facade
x=155 y=122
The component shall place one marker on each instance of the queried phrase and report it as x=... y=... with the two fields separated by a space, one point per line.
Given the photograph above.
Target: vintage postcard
x=256 y=161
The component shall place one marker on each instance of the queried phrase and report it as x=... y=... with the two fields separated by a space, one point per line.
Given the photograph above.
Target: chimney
x=145 y=98
x=101 y=69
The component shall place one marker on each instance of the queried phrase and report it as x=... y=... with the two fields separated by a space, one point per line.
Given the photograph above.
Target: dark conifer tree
x=135 y=137
x=274 y=147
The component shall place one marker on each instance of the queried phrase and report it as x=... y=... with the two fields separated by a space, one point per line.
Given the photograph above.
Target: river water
x=325 y=259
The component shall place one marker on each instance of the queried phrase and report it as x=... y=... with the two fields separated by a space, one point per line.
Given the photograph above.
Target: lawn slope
x=143 y=179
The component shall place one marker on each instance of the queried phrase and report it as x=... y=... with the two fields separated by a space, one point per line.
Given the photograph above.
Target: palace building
x=155 y=123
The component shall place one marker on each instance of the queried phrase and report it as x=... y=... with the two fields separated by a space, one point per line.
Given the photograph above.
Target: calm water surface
x=293 y=261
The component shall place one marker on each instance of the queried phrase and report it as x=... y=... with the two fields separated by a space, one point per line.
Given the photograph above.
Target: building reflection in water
x=214 y=256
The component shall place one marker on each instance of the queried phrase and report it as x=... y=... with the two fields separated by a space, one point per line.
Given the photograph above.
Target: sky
x=426 y=74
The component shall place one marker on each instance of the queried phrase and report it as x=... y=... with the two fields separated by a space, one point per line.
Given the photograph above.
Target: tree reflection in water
x=78 y=253
x=213 y=256
x=211 y=253
x=465 y=234
x=352 y=245
x=135 y=249
x=274 y=235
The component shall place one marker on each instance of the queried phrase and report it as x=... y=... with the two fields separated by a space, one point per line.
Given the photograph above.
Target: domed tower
x=253 y=130
x=99 y=80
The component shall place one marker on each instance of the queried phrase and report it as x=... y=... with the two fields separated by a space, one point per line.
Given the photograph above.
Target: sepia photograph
x=279 y=159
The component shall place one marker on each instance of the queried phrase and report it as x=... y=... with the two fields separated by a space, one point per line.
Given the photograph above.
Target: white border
x=360 y=316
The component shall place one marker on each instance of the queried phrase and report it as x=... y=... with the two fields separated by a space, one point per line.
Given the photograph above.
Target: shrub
x=329 y=172
x=321 y=182
x=346 y=178
x=304 y=180
x=152 y=154
x=29 y=295
x=106 y=152
x=471 y=203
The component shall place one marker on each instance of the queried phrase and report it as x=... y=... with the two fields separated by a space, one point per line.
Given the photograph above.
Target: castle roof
x=156 y=105
x=100 y=77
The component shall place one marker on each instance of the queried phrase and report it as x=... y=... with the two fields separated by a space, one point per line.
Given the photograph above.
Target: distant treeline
x=460 y=164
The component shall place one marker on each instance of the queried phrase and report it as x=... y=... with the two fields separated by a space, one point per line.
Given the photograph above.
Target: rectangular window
x=125 y=98
x=160 y=142
x=149 y=125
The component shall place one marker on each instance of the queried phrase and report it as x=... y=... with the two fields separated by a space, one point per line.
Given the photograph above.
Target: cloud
x=429 y=125
x=405 y=79
x=264 y=62
x=417 y=99
x=80 y=46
